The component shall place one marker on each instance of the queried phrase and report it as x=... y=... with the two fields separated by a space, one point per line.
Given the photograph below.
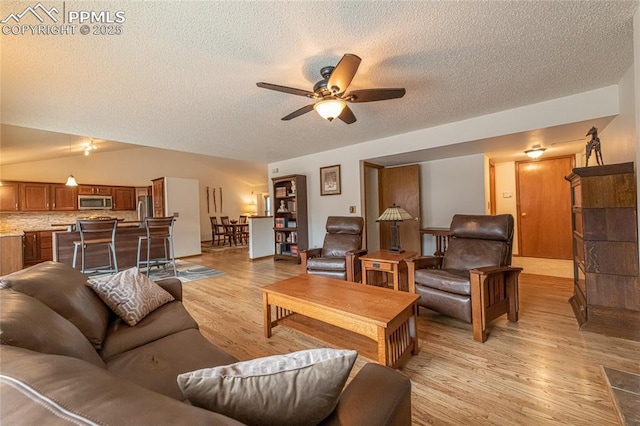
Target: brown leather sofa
x=66 y=358
x=340 y=254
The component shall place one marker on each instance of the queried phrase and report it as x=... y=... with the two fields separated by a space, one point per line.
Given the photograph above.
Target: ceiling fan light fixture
x=535 y=152
x=330 y=108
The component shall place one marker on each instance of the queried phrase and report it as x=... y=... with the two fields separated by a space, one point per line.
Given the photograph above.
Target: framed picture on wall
x=330 y=180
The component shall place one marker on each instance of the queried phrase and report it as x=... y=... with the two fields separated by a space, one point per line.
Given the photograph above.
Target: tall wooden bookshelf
x=606 y=293
x=290 y=223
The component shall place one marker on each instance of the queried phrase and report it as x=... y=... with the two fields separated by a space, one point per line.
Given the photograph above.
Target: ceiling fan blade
x=347 y=115
x=343 y=73
x=285 y=89
x=298 y=112
x=370 y=95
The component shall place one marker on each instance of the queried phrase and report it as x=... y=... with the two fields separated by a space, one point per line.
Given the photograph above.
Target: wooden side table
x=389 y=262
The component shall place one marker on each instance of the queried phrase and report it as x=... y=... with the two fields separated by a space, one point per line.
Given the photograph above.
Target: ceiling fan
x=330 y=92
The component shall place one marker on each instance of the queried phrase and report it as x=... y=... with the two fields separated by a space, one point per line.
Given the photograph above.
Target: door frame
x=367 y=193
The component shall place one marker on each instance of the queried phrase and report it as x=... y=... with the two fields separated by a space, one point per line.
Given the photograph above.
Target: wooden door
x=158 y=197
x=124 y=198
x=64 y=197
x=9 y=196
x=34 y=196
x=544 y=208
x=401 y=185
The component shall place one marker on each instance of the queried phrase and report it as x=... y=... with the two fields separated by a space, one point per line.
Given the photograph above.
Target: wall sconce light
x=394 y=214
x=535 y=152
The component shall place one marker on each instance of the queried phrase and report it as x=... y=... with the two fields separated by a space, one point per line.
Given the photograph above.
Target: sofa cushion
x=42 y=389
x=64 y=290
x=156 y=365
x=337 y=245
x=294 y=389
x=130 y=294
x=167 y=319
x=327 y=264
x=28 y=323
x=451 y=281
x=468 y=254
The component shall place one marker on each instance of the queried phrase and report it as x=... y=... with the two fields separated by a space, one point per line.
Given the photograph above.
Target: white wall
x=584 y=106
x=450 y=186
x=618 y=139
x=137 y=166
x=506 y=195
x=181 y=199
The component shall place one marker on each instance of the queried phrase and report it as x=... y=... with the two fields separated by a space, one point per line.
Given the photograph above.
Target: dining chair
x=158 y=229
x=217 y=230
x=96 y=233
x=243 y=230
x=229 y=233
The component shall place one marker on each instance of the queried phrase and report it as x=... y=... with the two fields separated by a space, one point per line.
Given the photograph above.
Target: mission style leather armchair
x=473 y=281
x=340 y=254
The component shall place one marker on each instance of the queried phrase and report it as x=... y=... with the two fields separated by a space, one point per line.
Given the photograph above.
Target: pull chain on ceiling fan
x=330 y=92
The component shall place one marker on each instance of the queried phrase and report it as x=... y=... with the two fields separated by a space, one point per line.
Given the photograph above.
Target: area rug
x=186 y=272
x=207 y=247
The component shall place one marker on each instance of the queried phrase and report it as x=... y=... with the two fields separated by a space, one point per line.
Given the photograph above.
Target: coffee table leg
x=267 y=314
x=413 y=328
x=383 y=346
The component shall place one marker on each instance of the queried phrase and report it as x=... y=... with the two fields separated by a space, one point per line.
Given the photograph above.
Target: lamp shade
x=329 y=109
x=535 y=152
x=71 y=181
x=394 y=213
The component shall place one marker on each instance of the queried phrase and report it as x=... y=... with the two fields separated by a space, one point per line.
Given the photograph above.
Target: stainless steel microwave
x=95 y=202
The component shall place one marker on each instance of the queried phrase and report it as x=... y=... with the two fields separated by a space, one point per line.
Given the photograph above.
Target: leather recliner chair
x=473 y=281
x=340 y=254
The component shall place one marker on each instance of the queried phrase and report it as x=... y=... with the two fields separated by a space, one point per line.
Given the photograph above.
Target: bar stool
x=96 y=233
x=158 y=228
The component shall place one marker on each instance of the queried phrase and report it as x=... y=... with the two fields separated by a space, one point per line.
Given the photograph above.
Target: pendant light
x=71 y=181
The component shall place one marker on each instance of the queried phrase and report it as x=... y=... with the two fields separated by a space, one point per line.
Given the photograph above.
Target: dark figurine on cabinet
x=594 y=144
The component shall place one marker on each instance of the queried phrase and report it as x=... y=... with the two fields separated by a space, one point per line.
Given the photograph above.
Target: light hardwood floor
x=541 y=370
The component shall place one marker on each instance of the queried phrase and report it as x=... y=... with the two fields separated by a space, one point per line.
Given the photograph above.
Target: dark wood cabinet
x=94 y=190
x=606 y=295
x=63 y=197
x=34 y=196
x=290 y=227
x=37 y=247
x=9 y=196
x=124 y=198
x=158 y=197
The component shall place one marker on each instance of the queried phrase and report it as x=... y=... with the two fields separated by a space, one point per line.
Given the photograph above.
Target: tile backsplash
x=11 y=222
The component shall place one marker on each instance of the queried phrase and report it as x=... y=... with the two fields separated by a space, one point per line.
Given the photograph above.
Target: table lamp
x=394 y=214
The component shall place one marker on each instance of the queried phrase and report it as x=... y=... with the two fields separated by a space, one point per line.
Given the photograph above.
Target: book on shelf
x=292 y=223
x=281 y=191
x=294 y=250
x=280 y=222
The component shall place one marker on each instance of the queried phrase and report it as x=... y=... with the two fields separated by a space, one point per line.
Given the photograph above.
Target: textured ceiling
x=182 y=74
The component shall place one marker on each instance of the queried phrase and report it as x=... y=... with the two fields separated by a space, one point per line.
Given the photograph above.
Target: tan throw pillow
x=294 y=389
x=130 y=294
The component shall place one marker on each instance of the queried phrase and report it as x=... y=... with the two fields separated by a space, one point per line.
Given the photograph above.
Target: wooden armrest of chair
x=308 y=254
x=354 y=267
x=424 y=262
x=494 y=292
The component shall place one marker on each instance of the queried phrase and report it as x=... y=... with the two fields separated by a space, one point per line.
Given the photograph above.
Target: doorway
x=544 y=208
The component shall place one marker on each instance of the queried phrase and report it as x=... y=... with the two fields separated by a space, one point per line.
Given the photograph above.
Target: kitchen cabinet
x=158 y=197
x=11 y=249
x=124 y=197
x=34 y=196
x=63 y=197
x=94 y=190
x=9 y=196
x=37 y=247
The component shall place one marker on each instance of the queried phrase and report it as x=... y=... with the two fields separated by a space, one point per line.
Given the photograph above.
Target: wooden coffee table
x=385 y=316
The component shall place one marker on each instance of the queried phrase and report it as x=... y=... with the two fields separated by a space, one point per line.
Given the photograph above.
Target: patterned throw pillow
x=130 y=294
x=295 y=389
